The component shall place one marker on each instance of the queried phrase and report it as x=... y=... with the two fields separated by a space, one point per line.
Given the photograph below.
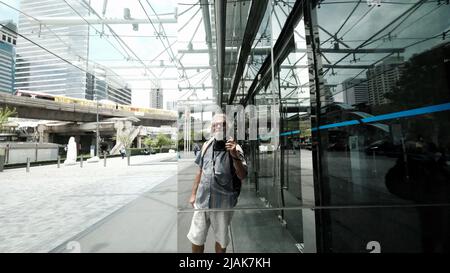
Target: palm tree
x=5 y=114
x=125 y=139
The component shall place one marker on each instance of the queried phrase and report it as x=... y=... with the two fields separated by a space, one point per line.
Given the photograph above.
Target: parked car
x=383 y=147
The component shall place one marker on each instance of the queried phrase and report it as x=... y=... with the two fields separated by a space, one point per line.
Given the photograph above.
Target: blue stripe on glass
x=339 y=124
x=290 y=133
x=410 y=113
x=400 y=114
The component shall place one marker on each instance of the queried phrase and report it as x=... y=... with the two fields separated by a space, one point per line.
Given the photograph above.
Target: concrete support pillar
x=94 y=148
x=139 y=142
x=43 y=133
x=78 y=141
x=187 y=130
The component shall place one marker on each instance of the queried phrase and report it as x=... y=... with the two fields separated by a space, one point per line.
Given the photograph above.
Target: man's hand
x=231 y=147
x=241 y=171
x=192 y=200
x=195 y=187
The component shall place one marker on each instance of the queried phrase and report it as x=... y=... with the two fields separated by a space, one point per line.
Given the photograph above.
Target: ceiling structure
x=223 y=51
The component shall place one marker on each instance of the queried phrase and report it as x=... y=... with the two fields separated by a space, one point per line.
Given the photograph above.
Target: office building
x=382 y=79
x=107 y=85
x=7 y=56
x=171 y=105
x=355 y=91
x=60 y=72
x=156 y=98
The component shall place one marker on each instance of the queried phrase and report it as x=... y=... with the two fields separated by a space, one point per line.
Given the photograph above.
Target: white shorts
x=218 y=220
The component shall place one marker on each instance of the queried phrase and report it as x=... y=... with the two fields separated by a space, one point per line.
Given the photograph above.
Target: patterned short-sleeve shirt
x=216 y=183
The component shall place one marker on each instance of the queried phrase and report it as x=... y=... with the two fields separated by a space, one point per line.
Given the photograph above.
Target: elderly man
x=220 y=164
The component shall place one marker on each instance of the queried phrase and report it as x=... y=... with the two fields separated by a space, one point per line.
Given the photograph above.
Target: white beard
x=218 y=135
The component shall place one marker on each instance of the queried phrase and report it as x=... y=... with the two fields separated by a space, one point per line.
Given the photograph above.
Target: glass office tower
x=39 y=70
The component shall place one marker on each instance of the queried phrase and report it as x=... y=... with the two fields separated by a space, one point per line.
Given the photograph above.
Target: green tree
x=424 y=82
x=150 y=142
x=5 y=114
x=194 y=135
x=163 y=141
x=159 y=142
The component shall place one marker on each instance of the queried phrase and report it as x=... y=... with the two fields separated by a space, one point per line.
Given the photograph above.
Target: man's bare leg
x=198 y=249
x=219 y=248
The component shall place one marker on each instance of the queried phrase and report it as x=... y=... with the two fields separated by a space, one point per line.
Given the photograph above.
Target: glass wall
x=359 y=96
x=278 y=91
x=382 y=124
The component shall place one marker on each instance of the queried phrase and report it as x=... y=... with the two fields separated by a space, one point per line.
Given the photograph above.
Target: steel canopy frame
x=280 y=50
x=220 y=9
x=255 y=17
x=207 y=26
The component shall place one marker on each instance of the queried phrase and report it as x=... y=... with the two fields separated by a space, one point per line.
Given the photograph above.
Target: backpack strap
x=205 y=146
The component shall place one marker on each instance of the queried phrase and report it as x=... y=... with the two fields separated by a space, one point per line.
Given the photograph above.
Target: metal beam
x=362 y=50
x=144 y=78
x=220 y=8
x=208 y=36
x=261 y=50
x=140 y=66
x=329 y=66
x=198 y=67
x=159 y=67
x=337 y=66
x=284 y=44
x=195 y=88
x=70 y=21
x=334 y=37
x=255 y=17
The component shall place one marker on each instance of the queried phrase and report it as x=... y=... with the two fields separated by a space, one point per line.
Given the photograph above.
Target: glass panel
x=250 y=231
x=295 y=134
x=399 y=229
x=386 y=229
x=384 y=100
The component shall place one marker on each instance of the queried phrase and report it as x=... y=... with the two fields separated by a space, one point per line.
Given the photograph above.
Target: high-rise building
x=7 y=56
x=171 y=105
x=107 y=85
x=64 y=74
x=327 y=97
x=38 y=69
x=355 y=91
x=156 y=98
x=382 y=78
x=8 y=33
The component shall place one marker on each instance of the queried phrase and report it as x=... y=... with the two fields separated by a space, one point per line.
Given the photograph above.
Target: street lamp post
x=97 y=134
x=96 y=158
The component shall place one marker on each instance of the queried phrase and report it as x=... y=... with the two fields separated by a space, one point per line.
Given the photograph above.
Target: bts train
x=101 y=103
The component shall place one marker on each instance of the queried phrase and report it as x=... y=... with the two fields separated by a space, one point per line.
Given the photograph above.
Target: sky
x=7 y=13
x=147 y=46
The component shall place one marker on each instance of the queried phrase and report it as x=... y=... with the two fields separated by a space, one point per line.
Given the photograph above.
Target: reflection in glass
x=383 y=137
x=376 y=70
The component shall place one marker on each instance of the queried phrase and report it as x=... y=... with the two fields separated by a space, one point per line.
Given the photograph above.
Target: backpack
x=237 y=183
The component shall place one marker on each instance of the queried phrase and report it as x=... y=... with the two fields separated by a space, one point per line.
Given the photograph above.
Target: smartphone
x=219 y=145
